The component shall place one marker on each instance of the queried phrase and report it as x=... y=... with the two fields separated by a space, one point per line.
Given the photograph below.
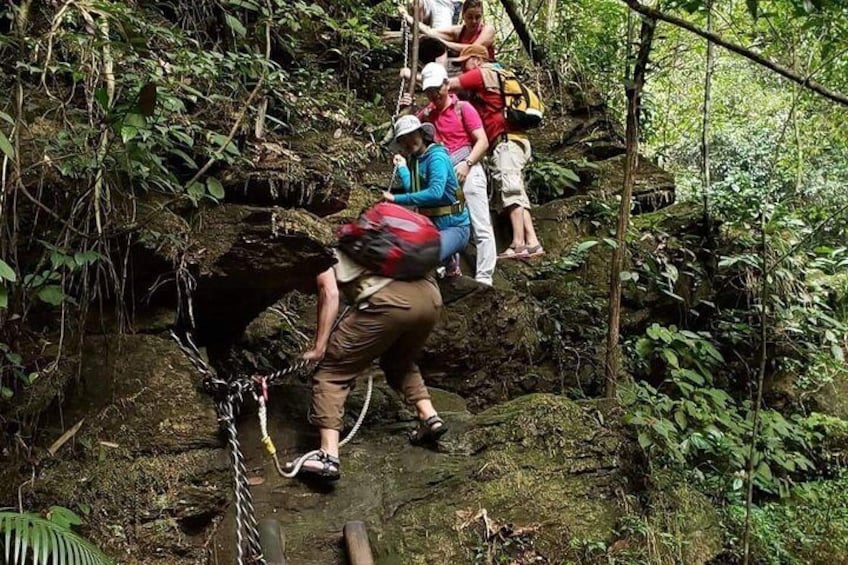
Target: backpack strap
x=458 y=109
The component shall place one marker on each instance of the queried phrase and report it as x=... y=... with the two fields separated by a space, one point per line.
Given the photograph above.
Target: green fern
x=30 y=538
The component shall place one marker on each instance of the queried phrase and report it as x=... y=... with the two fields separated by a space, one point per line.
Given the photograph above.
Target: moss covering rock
x=541 y=465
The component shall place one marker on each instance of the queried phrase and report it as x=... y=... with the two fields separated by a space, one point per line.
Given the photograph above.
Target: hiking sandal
x=429 y=431
x=514 y=253
x=534 y=251
x=330 y=467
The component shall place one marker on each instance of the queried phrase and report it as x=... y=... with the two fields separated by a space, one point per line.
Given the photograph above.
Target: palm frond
x=28 y=536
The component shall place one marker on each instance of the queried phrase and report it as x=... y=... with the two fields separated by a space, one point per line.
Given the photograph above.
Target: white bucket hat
x=433 y=75
x=408 y=124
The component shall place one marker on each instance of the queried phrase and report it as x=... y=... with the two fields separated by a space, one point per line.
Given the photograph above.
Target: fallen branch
x=785 y=72
x=64 y=438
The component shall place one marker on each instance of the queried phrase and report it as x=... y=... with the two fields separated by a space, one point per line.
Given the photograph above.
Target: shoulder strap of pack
x=458 y=109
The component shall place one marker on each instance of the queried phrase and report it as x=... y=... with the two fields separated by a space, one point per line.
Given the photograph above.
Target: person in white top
x=438 y=13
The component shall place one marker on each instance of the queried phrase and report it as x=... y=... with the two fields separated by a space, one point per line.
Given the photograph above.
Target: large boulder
x=247 y=258
x=147 y=460
x=483 y=347
x=315 y=172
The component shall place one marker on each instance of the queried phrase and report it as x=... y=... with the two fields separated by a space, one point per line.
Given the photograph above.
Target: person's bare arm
x=481 y=145
x=449 y=38
x=328 y=309
x=487 y=36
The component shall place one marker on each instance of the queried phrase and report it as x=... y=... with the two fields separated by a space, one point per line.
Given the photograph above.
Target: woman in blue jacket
x=430 y=183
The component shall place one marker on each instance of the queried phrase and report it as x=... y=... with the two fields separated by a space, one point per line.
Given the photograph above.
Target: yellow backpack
x=523 y=109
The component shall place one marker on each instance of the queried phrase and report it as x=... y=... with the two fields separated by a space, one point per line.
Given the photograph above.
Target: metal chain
x=405 y=33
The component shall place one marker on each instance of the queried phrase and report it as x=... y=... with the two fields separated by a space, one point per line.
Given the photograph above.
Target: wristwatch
x=469 y=162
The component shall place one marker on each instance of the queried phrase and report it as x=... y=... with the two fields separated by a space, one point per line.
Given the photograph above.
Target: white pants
x=477 y=201
x=440 y=13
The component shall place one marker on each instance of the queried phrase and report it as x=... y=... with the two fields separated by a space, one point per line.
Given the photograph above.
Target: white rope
x=297 y=464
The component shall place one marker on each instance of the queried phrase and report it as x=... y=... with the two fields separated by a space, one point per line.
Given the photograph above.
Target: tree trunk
x=634 y=91
x=414 y=64
x=537 y=54
x=705 y=129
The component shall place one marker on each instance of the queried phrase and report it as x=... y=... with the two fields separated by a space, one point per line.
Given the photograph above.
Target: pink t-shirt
x=451 y=131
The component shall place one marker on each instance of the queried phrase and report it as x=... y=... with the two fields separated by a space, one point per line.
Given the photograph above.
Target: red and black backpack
x=392 y=241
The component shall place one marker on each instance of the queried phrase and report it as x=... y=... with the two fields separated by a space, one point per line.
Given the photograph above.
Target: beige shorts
x=507 y=166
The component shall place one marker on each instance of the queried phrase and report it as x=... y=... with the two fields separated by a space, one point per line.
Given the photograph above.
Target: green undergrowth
x=809 y=527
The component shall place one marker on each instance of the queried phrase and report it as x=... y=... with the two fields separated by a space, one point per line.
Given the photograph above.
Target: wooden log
x=273 y=542
x=356 y=542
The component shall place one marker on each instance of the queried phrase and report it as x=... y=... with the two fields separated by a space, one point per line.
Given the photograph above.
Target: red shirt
x=488 y=102
x=452 y=131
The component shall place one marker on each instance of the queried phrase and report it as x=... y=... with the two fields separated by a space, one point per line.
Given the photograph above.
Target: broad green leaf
x=764 y=472
x=6 y=393
x=6 y=117
x=51 y=294
x=195 y=191
x=135 y=120
x=4 y=297
x=185 y=156
x=670 y=357
x=571 y=175
x=86 y=258
x=63 y=517
x=215 y=188
x=645 y=440
x=587 y=245
x=6 y=146
x=128 y=133
x=235 y=25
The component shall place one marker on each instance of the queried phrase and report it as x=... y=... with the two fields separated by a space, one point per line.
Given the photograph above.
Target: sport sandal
x=429 y=431
x=514 y=253
x=534 y=251
x=330 y=469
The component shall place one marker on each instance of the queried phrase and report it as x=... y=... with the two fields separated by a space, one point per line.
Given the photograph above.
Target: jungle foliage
x=104 y=102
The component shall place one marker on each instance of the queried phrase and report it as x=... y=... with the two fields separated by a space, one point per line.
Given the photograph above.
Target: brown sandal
x=513 y=253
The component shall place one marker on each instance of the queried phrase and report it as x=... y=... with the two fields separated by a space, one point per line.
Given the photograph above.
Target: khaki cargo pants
x=391 y=325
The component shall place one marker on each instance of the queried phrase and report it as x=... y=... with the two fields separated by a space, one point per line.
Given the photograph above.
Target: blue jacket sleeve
x=438 y=169
x=405 y=179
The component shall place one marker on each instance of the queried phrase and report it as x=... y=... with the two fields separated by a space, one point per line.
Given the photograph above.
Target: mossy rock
x=146 y=509
x=540 y=463
x=141 y=392
x=687 y=524
x=483 y=345
x=831 y=398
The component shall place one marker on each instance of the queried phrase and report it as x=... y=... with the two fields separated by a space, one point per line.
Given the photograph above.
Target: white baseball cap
x=433 y=75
